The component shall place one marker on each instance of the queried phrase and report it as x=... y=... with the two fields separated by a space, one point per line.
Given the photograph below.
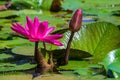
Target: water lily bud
x=76 y=21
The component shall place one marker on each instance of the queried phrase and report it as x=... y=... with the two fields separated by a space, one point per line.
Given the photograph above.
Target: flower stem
x=68 y=48
x=42 y=65
x=35 y=51
x=44 y=45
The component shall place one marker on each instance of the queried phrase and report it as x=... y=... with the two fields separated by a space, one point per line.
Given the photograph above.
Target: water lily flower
x=37 y=31
x=76 y=21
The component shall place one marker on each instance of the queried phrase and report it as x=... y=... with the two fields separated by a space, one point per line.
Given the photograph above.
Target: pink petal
x=52 y=41
x=49 y=30
x=26 y=27
x=42 y=29
x=19 y=29
x=30 y=26
x=54 y=36
x=58 y=43
x=15 y=26
x=33 y=40
x=36 y=24
x=36 y=21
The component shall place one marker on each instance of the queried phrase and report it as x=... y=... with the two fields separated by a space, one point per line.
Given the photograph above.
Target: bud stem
x=68 y=48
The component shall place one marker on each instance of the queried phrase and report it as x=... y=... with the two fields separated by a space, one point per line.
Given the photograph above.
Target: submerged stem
x=42 y=65
x=68 y=48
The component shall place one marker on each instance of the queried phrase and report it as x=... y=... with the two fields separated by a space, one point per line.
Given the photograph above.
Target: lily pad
x=5 y=36
x=73 y=5
x=96 y=38
x=115 y=66
x=111 y=62
x=24 y=4
x=4 y=67
x=46 y=4
x=13 y=43
x=4 y=56
x=10 y=62
x=9 y=14
x=52 y=20
x=24 y=50
x=82 y=71
x=116 y=13
x=111 y=57
x=74 y=54
x=72 y=65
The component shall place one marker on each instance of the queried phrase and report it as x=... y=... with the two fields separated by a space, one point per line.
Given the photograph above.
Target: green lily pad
x=96 y=38
x=25 y=4
x=52 y=20
x=9 y=13
x=74 y=54
x=4 y=56
x=13 y=43
x=73 y=5
x=24 y=50
x=115 y=66
x=46 y=4
x=28 y=11
x=111 y=62
x=14 y=67
x=10 y=62
x=5 y=36
x=73 y=65
x=111 y=57
x=82 y=71
x=116 y=13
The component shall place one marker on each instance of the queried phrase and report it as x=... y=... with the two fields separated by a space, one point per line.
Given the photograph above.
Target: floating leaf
x=72 y=5
x=24 y=50
x=10 y=62
x=13 y=43
x=13 y=67
x=9 y=13
x=25 y=4
x=4 y=56
x=112 y=62
x=74 y=54
x=28 y=11
x=52 y=20
x=46 y=4
x=115 y=66
x=72 y=65
x=5 y=36
x=103 y=10
x=116 y=13
x=57 y=54
x=82 y=71
x=111 y=57
x=96 y=38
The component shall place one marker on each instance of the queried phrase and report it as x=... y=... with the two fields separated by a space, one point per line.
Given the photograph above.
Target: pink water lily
x=37 y=31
